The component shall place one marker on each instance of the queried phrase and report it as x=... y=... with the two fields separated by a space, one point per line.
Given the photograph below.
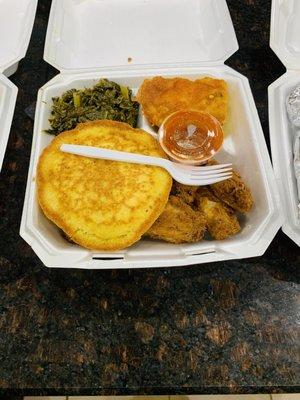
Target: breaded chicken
x=221 y=221
x=160 y=97
x=179 y=223
x=184 y=192
x=233 y=192
x=205 y=191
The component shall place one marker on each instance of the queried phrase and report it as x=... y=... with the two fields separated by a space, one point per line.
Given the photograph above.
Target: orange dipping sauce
x=191 y=137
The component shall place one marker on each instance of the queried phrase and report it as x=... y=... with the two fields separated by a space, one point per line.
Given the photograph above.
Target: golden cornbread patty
x=99 y=204
x=160 y=97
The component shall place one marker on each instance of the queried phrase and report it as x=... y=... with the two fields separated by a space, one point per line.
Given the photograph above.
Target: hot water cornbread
x=99 y=204
x=160 y=97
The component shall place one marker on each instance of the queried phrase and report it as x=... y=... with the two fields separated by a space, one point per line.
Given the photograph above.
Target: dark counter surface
x=215 y=328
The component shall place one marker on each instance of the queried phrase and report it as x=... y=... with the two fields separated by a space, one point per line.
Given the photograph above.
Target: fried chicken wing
x=160 y=97
x=179 y=223
x=221 y=221
x=234 y=192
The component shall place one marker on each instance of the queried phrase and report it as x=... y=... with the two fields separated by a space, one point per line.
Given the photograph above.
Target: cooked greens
x=106 y=100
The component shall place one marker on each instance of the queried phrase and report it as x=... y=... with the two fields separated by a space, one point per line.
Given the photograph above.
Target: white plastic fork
x=185 y=174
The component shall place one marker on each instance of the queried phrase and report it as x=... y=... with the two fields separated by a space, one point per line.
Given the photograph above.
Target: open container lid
x=285 y=32
x=16 y=23
x=89 y=34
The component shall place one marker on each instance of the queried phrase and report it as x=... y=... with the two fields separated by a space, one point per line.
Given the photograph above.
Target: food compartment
x=240 y=147
x=282 y=133
x=285 y=41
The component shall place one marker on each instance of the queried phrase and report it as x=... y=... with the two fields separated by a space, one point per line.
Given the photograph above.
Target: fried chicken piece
x=233 y=192
x=160 y=97
x=206 y=191
x=184 y=192
x=221 y=221
x=178 y=223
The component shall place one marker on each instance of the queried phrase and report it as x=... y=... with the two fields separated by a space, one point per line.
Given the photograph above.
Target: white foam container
x=285 y=42
x=127 y=41
x=16 y=23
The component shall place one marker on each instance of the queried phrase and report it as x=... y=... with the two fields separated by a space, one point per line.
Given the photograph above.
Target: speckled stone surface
x=216 y=328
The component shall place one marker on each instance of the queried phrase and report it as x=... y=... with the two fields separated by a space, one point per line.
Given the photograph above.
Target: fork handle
x=113 y=155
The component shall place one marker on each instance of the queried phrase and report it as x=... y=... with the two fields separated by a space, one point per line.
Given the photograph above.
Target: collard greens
x=106 y=100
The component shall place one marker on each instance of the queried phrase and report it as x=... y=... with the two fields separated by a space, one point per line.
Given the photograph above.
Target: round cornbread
x=99 y=204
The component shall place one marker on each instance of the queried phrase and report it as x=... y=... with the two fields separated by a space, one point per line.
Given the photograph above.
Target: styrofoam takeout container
x=16 y=23
x=128 y=41
x=285 y=42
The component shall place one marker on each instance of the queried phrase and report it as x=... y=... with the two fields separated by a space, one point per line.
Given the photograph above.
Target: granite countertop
x=214 y=328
